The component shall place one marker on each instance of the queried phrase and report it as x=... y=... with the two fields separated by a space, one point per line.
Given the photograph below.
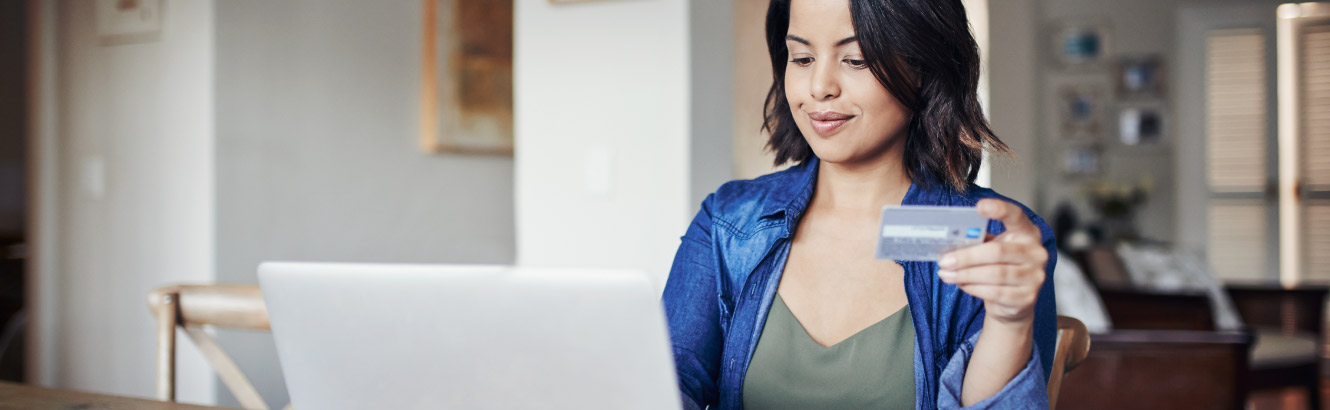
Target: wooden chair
x=194 y=306
x=1279 y=345
x=1073 y=345
x=1287 y=323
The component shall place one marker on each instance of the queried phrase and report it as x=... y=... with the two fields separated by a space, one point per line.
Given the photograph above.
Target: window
x=1236 y=140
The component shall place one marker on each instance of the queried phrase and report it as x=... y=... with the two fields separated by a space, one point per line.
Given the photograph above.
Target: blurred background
x=1179 y=147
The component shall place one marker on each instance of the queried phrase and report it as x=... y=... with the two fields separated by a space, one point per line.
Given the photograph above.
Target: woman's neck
x=863 y=186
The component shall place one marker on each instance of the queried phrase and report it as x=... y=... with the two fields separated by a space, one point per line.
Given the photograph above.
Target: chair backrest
x=194 y=306
x=1073 y=344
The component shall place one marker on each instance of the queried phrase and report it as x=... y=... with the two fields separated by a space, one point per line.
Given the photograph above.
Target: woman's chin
x=841 y=154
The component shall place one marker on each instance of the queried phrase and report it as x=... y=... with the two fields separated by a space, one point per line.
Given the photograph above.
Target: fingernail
x=946 y=274
x=947 y=261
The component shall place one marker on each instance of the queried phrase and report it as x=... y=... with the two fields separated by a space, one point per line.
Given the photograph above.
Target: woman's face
x=846 y=115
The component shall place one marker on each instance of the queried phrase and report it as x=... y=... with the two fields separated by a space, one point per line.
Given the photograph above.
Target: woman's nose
x=825 y=85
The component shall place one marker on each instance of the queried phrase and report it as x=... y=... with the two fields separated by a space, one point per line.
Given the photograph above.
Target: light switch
x=94 y=176
x=598 y=166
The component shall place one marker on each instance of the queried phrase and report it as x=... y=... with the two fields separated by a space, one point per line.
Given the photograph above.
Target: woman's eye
x=857 y=64
x=802 y=61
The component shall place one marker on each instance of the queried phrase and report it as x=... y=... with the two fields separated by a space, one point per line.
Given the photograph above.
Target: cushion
x=1276 y=349
x=1076 y=297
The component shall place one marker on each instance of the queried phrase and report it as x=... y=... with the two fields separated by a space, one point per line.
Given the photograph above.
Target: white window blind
x=1236 y=154
x=1238 y=238
x=1315 y=149
x=1316 y=241
x=1235 y=110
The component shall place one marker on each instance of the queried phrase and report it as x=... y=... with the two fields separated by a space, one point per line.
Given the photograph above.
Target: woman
x=775 y=299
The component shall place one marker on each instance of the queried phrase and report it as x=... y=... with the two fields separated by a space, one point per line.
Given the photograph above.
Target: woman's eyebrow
x=801 y=40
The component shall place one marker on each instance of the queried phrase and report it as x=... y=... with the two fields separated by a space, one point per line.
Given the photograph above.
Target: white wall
x=134 y=159
x=603 y=95
x=1012 y=65
x=317 y=155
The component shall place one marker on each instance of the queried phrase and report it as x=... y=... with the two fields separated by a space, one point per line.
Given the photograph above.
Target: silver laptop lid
x=363 y=336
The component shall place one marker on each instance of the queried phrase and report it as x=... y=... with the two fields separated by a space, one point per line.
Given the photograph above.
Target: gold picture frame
x=467 y=77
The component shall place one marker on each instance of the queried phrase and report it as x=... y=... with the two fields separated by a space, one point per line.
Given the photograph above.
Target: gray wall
x=1137 y=27
x=1013 y=62
x=1194 y=21
x=711 y=103
x=317 y=157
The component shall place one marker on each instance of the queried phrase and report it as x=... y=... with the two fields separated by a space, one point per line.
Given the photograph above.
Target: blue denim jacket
x=727 y=269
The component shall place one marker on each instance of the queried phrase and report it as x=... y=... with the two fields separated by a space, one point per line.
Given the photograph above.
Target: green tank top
x=872 y=369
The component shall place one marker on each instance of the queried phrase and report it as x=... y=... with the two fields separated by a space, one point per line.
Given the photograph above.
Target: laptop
x=377 y=336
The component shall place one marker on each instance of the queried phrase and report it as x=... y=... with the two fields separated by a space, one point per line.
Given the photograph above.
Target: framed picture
x=1140 y=77
x=1140 y=125
x=1081 y=161
x=1081 y=44
x=1081 y=110
x=467 y=84
x=128 y=21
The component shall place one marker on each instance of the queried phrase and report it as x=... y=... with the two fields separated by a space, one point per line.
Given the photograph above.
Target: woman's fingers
x=1011 y=216
x=997 y=293
x=1000 y=274
x=1005 y=302
x=1005 y=271
x=1017 y=252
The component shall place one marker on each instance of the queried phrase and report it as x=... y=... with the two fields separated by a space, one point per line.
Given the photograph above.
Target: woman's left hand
x=1006 y=271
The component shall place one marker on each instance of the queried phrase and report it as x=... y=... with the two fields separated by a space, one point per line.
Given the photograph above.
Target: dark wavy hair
x=924 y=55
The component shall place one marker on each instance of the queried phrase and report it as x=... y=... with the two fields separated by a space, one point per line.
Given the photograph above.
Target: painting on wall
x=1081 y=161
x=467 y=84
x=1080 y=110
x=128 y=21
x=1140 y=77
x=1081 y=44
x=1140 y=126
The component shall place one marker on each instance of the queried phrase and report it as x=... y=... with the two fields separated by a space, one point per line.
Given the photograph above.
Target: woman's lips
x=827 y=122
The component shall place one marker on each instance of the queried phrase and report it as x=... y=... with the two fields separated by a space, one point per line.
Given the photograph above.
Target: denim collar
x=791 y=203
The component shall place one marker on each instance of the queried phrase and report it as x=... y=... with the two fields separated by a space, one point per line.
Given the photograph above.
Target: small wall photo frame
x=1141 y=125
x=1081 y=161
x=1081 y=110
x=1140 y=77
x=467 y=81
x=1081 y=44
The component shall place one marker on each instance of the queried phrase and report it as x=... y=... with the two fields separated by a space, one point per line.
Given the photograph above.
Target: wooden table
x=22 y=396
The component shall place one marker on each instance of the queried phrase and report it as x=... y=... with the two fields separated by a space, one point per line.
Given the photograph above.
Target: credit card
x=924 y=233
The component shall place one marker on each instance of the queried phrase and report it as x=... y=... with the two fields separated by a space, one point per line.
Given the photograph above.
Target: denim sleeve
x=1025 y=391
x=692 y=311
